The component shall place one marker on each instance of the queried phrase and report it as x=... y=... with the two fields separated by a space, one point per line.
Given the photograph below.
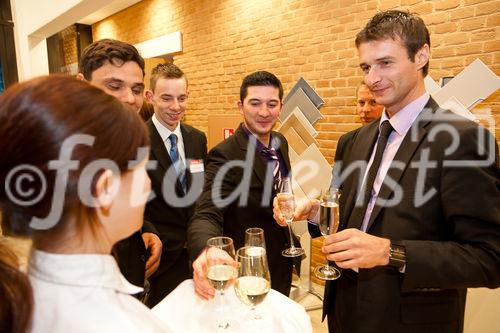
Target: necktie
x=385 y=131
x=178 y=165
x=271 y=154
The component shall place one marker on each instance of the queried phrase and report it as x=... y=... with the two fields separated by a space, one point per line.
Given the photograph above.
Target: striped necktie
x=271 y=154
x=178 y=165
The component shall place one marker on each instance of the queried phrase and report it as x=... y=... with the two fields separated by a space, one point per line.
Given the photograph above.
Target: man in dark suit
x=239 y=185
x=420 y=202
x=117 y=68
x=179 y=151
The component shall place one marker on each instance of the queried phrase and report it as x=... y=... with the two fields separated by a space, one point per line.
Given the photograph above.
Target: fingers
x=201 y=285
x=276 y=213
x=152 y=266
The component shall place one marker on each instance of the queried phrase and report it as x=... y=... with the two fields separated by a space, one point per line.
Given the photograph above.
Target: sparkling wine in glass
x=220 y=273
x=328 y=224
x=286 y=205
x=253 y=282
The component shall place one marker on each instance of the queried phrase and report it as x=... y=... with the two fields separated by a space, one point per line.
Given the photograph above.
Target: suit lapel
x=158 y=146
x=405 y=153
x=245 y=142
x=361 y=153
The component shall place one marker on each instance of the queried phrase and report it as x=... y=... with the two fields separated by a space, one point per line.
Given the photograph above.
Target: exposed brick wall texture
x=225 y=40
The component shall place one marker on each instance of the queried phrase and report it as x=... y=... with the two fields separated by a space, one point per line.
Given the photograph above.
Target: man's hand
x=154 y=245
x=201 y=285
x=306 y=209
x=351 y=248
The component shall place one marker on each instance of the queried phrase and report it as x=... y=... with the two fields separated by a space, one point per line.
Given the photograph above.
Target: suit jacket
x=170 y=210
x=131 y=255
x=452 y=240
x=233 y=219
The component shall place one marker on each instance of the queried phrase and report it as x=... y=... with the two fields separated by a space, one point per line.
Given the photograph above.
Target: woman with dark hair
x=16 y=297
x=75 y=181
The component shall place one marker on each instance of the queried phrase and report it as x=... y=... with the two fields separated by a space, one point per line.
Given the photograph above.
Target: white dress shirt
x=85 y=293
x=401 y=123
x=165 y=133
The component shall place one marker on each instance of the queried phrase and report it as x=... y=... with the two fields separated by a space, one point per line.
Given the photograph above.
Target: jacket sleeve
x=470 y=199
x=208 y=218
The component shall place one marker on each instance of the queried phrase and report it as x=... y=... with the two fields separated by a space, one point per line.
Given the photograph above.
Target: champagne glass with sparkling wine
x=328 y=224
x=220 y=274
x=286 y=204
x=253 y=282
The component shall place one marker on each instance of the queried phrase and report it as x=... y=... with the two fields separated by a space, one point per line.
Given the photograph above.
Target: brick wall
x=225 y=40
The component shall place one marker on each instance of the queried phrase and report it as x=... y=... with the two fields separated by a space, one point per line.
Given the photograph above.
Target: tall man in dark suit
x=179 y=151
x=420 y=218
x=117 y=68
x=239 y=185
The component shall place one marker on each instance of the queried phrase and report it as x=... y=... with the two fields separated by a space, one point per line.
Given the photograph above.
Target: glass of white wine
x=254 y=281
x=220 y=272
x=286 y=204
x=328 y=224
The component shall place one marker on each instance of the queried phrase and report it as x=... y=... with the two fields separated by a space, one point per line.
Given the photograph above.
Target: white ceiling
x=108 y=10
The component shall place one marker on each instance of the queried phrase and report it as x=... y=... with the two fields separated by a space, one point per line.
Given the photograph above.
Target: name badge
x=196 y=166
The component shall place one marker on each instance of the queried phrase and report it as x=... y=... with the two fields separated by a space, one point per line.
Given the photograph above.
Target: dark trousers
x=167 y=280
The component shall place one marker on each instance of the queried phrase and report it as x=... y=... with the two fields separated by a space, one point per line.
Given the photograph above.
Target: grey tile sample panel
x=310 y=92
x=300 y=99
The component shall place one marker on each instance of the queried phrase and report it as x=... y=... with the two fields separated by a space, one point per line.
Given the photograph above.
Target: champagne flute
x=220 y=273
x=255 y=237
x=286 y=204
x=253 y=282
x=328 y=224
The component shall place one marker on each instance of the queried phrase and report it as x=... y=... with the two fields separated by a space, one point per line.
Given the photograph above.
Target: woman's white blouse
x=85 y=293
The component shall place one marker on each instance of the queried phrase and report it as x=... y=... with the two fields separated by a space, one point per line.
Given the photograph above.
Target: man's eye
x=137 y=91
x=373 y=103
x=361 y=103
x=272 y=105
x=113 y=87
x=365 y=69
x=385 y=63
x=182 y=99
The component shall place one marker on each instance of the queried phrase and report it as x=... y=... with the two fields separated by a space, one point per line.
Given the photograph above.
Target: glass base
x=326 y=272
x=293 y=252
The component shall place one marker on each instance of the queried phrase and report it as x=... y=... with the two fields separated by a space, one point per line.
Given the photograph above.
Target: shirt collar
x=402 y=121
x=80 y=270
x=164 y=131
x=272 y=142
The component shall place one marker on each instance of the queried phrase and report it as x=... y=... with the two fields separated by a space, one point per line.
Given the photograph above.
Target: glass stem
x=292 y=245
x=222 y=323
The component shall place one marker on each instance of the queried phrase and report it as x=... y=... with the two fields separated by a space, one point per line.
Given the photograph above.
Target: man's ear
x=422 y=56
x=149 y=95
x=80 y=76
x=104 y=190
x=240 y=106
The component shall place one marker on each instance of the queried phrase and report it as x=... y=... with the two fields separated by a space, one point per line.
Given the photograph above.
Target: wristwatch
x=397 y=255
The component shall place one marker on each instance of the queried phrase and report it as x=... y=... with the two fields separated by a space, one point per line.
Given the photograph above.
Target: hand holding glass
x=328 y=224
x=220 y=272
x=286 y=204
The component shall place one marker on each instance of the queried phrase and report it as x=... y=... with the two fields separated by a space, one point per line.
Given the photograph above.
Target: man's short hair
x=116 y=52
x=392 y=24
x=260 y=78
x=165 y=71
